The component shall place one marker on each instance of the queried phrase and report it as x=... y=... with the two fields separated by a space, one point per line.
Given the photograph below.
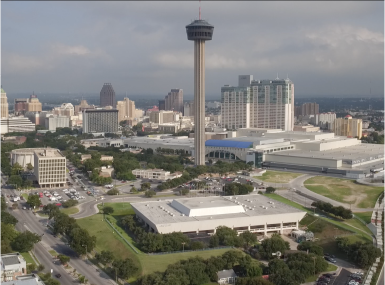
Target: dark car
x=328 y=275
x=58 y=275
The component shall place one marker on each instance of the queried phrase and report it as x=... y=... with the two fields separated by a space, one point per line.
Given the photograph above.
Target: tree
x=195 y=245
x=252 y=281
x=70 y=203
x=51 y=209
x=82 y=279
x=214 y=241
x=311 y=247
x=250 y=267
x=63 y=224
x=227 y=236
x=25 y=241
x=145 y=186
x=272 y=245
x=31 y=267
x=16 y=169
x=81 y=241
x=34 y=201
x=3 y=204
x=184 y=191
x=133 y=190
x=15 y=206
x=64 y=259
x=108 y=210
x=15 y=180
x=29 y=166
x=40 y=267
x=248 y=237
x=8 y=235
x=105 y=257
x=149 y=193
x=7 y=218
x=125 y=268
x=113 y=191
x=280 y=274
x=232 y=257
x=270 y=189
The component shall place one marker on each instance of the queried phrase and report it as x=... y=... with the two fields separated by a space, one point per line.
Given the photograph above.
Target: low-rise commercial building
x=158 y=174
x=29 y=279
x=12 y=266
x=16 y=124
x=50 y=168
x=254 y=213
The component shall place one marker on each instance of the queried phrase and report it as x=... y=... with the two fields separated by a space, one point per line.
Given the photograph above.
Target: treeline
x=79 y=239
x=193 y=172
x=238 y=189
x=12 y=240
x=124 y=268
x=362 y=254
x=336 y=211
x=197 y=270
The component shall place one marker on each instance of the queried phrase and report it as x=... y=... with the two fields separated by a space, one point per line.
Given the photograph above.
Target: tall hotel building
x=107 y=95
x=100 y=121
x=258 y=104
x=348 y=127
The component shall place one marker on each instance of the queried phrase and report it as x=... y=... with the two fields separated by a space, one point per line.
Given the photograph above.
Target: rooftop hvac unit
x=182 y=215
x=266 y=208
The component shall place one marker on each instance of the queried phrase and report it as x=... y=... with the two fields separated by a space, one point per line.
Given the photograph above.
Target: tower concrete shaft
x=199 y=31
x=199 y=101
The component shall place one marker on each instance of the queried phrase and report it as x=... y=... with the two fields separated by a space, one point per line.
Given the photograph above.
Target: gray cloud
x=327 y=48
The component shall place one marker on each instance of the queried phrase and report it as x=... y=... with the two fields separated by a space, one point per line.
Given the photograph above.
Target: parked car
x=58 y=276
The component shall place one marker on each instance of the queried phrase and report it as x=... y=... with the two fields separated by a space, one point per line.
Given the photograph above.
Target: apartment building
x=258 y=104
x=162 y=117
x=50 y=168
x=348 y=127
x=100 y=121
x=306 y=109
x=12 y=266
x=324 y=120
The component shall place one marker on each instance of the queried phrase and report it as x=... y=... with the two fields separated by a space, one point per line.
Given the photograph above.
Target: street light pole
x=183 y=243
x=86 y=251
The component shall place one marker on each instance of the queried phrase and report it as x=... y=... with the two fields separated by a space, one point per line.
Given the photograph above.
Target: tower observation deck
x=199 y=31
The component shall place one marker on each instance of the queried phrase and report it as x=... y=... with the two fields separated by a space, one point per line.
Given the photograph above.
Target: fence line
x=180 y=251
x=122 y=236
x=361 y=220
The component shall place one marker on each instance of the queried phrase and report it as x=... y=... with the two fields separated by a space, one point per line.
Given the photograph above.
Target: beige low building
x=106 y=158
x=84 y=157
x=348 y=127
x=158 y=174
x=50 y=168
x=306 y=129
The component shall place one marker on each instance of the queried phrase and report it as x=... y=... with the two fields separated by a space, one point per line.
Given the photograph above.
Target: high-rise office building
x=262 y=104
x=100 y=121
x=126 y=109
x=188 y=109
x=199 y=31
x=107 y=95
x=306 y=109
x=4 y=104
x=34 y=104
x=348 y=127
x=52 y=122
x=20 y=105
x=174 y=100
x=66 y=109
x=50 y=168
x=162 y=105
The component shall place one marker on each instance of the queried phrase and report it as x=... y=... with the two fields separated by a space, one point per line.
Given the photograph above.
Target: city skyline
x=343 y=50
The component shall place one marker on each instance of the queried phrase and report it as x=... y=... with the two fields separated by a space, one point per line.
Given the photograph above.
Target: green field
x=53 y=252
x=70 y=211
x=277 y=176
x=358 y=224
x=344 y=191
x=25 y=196
x=365 y=216
x=120 y=209
x=27 y=257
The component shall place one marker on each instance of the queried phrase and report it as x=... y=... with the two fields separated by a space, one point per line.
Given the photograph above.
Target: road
x=381 y=279
x=35 y=224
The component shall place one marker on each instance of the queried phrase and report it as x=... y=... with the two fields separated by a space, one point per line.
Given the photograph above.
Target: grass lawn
x=42 y=214
x=277 y=176
x=27 y=257
x=106 y=239
x=344 y=191
x=358 y=224
x=69 y=211
x=366 y=216
x=120 y=209
x=25 y=196
x=53 y=252
x=152 y=263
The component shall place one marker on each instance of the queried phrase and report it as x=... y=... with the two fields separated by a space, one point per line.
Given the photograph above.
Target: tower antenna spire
x=199 y=9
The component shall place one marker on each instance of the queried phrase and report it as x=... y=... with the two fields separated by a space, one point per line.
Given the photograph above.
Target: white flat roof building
x=159 y=174
x=256 y=213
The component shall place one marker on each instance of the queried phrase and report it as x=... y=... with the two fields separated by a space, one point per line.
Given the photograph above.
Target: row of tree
x=338 y=211
x=238 y=189
x=123 y=268
x=79 y=239
x=363 y=254
x=196 y=270
x=12 y=240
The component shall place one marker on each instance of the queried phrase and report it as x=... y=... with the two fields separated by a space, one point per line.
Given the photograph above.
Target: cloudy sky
x=326 y=48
